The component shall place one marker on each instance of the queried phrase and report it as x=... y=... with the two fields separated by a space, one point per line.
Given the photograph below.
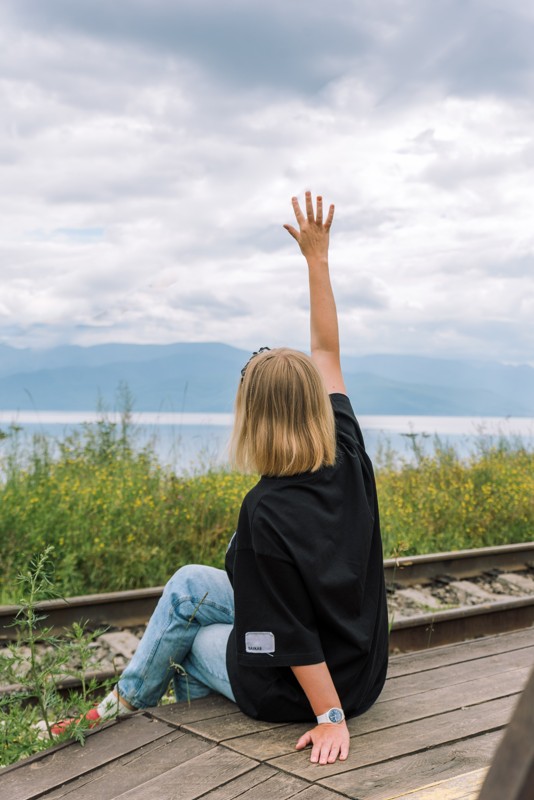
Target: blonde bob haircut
x=284 y=423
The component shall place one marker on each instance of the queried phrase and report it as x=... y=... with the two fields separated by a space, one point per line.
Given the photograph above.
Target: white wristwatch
x=334 y=715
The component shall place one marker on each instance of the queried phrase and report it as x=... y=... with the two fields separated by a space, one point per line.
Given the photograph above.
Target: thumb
x=293 y=231
x=304 y=741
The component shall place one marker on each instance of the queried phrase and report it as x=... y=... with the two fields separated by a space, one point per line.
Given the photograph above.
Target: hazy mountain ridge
x=204 y=377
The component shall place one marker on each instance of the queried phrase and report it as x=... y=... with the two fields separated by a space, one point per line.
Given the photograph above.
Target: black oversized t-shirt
x=307 y=570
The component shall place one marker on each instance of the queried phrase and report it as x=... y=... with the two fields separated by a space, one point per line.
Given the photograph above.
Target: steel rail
x=134 y=607
x=459 y=624
x=406 y=635
x=458 y=563
x=117 y=609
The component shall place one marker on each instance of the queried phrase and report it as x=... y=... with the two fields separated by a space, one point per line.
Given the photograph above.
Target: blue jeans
x=190 y=628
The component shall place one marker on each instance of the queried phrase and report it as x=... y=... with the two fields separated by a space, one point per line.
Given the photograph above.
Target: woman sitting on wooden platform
x=295 y=629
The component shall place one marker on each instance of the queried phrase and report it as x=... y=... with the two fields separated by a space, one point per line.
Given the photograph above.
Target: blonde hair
x=284 y=423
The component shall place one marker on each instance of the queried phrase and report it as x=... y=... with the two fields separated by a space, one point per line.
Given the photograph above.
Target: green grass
x=117 y=518
x=441 y=502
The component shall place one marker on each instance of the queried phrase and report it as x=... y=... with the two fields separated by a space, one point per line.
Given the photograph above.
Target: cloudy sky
x=149 y=150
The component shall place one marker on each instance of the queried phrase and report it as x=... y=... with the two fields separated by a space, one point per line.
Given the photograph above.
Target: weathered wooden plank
x=439 y=701
x=270 y=743
x=105 y=745
x=455 y=674
x=461 y=652
x=265 y=783
x=380 y=781
x=512 y=771
x=236 y=788
x=281 y=741
x=463 y=787
x=134 y=768
x=214 y=705
x=274 y=743
x=372 y=748
x=194 y=778
x=318 y=793
x=278 y=786
x=221 y=728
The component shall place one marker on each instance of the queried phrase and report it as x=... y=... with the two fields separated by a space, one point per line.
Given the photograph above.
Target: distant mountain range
x=204 y=376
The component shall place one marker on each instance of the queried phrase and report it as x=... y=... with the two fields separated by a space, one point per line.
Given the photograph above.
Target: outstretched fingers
x=298 y=213
x=309 y=207
x=312 y=232
x=319 y=215
x=318 y=218
x=293 y=231
x=330 y=217
x=311 y=217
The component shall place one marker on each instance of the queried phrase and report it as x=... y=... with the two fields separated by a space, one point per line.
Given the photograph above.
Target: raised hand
x=313 y=234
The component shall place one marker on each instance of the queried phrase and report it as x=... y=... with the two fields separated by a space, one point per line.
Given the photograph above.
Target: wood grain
x=270 y=744
x=413 y=737
x=133 y=769
x=411 y=663
x=193 y=778
x=380 y=781
x=54 y=769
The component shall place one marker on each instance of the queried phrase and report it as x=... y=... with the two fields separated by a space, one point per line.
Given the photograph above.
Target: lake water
x=193 y=441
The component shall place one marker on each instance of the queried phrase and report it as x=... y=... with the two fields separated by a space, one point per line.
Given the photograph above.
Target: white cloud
x=147 y=160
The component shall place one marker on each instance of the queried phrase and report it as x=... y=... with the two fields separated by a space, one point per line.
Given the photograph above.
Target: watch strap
x=333 y=716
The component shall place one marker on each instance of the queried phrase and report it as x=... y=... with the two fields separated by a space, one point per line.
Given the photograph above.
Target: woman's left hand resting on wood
x=329 y=741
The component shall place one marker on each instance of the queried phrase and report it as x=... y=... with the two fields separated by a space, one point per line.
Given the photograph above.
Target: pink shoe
x=92 y=716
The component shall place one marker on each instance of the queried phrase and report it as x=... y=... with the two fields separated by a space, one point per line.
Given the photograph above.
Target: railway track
x=495 y=587
x=459 y=595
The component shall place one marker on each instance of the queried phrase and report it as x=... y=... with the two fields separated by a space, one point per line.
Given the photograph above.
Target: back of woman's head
x=284 y=424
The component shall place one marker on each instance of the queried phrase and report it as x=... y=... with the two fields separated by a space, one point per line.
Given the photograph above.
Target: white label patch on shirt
x=259 y=642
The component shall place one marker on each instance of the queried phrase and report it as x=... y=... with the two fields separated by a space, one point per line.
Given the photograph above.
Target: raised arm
x=313 y=239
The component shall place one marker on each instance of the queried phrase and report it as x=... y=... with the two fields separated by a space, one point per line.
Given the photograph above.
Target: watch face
x=335 y=715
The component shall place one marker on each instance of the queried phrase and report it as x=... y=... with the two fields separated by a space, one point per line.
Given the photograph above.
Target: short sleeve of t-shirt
x=275 y=623
x=347 y=426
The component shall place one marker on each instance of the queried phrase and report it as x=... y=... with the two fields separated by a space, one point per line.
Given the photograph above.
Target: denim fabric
x=189 y=627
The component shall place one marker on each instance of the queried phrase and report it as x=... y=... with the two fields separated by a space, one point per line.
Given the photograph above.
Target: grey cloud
x=282 y=45
x=504 y=340
x=180 y=129
x=398 y=47
x=38 y=335
x=209 y=302
x=437 y=338
x=268 y=239
x=451 y=172
x=427 y=142
x=361 y=294
x=461 y=48
x=104 y=189
x=491 y=339
x=369 y=220
x=361 y=297
x=511 y=267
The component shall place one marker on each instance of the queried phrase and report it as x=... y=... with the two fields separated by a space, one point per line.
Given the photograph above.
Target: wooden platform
x=432 y=734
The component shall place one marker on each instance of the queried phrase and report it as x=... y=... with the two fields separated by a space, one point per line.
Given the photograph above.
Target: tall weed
x=114 y=515
x=439 y=501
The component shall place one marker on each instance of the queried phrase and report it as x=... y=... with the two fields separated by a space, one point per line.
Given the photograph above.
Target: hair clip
x=255 y=353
